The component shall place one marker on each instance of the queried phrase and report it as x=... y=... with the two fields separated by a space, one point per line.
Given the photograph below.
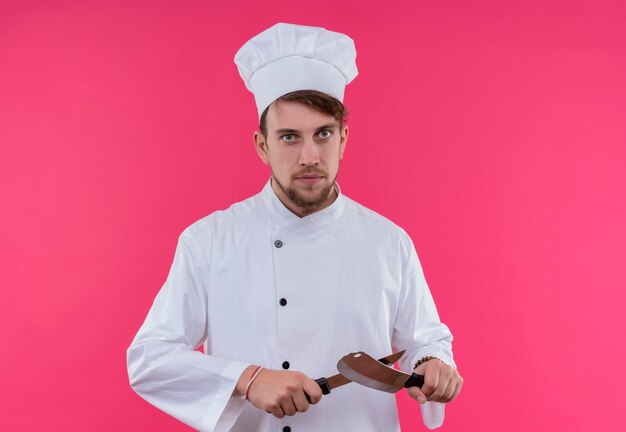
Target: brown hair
x=315 y=99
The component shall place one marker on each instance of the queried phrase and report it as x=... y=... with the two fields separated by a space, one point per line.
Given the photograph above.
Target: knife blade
x=365 y=370
x=330 y=383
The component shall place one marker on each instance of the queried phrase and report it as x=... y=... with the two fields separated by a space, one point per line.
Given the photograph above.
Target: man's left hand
x=442 y=383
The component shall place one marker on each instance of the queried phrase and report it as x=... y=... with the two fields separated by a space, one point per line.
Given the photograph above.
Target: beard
x=306 y=204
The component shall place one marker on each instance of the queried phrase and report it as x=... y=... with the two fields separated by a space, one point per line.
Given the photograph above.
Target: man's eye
x=325 y=133
x=288 y=137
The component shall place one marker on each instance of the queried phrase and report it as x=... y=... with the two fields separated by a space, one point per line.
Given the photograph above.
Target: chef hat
x=288 y=57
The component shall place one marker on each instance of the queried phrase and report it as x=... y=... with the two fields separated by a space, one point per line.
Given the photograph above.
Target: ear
x=260 y=145
x=344 y=140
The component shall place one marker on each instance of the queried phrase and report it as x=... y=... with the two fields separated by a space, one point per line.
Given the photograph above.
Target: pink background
x=493 y=132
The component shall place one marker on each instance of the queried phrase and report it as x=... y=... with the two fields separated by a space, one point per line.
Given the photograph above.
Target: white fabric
x=289 y=57
x=352 y=281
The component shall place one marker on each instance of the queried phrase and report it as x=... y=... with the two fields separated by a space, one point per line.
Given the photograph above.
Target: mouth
x=309 y=179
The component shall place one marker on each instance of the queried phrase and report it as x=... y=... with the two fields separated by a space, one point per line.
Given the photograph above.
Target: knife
x=365 y=370
x=331 y=383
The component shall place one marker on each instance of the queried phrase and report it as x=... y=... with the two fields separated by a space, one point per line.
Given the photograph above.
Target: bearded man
x=280 y=286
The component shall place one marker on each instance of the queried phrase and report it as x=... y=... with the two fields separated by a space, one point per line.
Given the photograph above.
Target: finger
x=431 y=378
x=457 y=389
x=300 y=402
x=447 y=392
x=454 y=383
x=288 y=407
x=416 y=393
x=313 y=390
x=277 y=412
x=442 y=386
x=447 y=396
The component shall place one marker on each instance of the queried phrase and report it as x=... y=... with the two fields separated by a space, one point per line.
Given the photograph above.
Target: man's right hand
x=280 y=393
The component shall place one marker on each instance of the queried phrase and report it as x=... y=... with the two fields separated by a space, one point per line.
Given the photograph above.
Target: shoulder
x=370 y=219
x=239 y=214
x=372 y=224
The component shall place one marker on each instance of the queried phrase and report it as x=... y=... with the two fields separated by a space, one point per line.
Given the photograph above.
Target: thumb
x=416 y=393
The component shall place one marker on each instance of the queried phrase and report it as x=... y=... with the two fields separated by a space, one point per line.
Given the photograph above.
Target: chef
x=278 y=287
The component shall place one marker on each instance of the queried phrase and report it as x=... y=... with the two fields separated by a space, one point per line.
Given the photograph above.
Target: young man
x=282 y=285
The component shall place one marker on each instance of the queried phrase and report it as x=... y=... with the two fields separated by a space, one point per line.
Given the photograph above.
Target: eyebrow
x=295 y=131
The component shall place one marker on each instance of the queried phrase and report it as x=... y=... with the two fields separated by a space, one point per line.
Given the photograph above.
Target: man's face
x=303 y=148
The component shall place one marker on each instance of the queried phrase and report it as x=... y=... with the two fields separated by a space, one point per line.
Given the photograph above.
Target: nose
x=309 y=154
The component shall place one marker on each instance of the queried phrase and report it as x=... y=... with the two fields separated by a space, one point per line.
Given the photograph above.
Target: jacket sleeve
x=163 y=365
x=417 y=327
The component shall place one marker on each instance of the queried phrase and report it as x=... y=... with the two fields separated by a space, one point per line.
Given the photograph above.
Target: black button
x=286 y=429
x=283 y=302
x=278 y=244
x=285 y=365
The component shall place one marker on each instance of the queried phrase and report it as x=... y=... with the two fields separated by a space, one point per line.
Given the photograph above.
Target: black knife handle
x=323 y=385
x=415 y=381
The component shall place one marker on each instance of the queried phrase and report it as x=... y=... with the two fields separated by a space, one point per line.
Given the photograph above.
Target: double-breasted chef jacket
x=256 y=284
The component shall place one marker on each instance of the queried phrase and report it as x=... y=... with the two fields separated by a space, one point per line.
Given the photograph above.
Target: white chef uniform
x=349 y=280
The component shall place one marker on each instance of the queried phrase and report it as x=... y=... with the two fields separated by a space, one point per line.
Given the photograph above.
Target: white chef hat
x=289 y=57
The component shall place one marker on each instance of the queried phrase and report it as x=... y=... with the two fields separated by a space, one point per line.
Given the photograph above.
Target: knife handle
x=415 y=381
x=323 y=385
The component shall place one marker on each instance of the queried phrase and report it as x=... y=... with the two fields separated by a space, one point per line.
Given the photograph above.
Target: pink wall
x=493 y=132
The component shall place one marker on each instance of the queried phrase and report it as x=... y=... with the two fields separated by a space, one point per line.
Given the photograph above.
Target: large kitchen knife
x=331 y=383
x=365 y=370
